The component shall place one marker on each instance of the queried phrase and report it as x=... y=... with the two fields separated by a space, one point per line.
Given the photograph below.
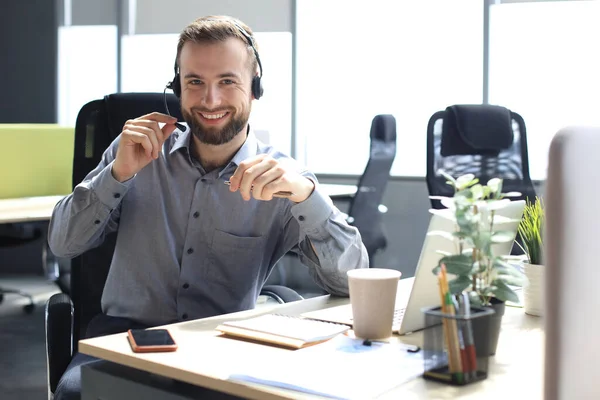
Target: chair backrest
x=98 y=123
x=364 y=208
x=572 y=275
x=487 y=141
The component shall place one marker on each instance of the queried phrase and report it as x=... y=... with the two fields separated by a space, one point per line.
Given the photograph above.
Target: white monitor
x=571 y=258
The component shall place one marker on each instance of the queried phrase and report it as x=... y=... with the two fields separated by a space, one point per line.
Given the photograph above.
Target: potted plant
x=530 y=231
x=485 y=276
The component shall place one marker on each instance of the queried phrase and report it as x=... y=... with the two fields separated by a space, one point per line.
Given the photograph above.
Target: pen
x=282 y=194
x=459 y=306
x=468 y=337
x=409 y=347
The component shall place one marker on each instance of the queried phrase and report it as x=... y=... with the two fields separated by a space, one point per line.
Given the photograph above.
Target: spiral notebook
x=283 y=330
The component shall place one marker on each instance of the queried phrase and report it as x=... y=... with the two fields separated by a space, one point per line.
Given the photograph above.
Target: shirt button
x=301 y=218
x=184 y=316
x=186 y=285
x=190 y=250
x=196 y=214
x=97 y=221
x=117 y=195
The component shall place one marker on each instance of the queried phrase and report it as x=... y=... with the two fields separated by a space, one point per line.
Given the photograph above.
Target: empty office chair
x=485 y=140
x=365 y=208
x=571 y=307
x=98 y=123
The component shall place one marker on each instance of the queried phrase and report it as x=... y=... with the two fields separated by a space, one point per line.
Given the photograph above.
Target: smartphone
x=151 y=340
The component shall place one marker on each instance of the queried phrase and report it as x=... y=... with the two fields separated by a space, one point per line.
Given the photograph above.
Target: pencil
x=454 y=348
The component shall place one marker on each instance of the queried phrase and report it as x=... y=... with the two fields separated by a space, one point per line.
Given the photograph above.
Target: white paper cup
x=373 y=297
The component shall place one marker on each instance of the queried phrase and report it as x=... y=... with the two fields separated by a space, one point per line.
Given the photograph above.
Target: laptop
x=419 y=292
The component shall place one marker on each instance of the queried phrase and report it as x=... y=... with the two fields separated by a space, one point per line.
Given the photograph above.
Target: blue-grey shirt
x=188 y=247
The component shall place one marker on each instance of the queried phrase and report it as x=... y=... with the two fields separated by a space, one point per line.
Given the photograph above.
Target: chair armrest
x=59 y=337
x=281 y=294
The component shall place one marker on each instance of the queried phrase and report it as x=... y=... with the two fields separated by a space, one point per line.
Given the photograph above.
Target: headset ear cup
x=176 y=86
x=257 y=89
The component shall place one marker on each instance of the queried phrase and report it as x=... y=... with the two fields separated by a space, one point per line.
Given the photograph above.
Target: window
x=87 y=67
x=359 y=59
x=544 y=65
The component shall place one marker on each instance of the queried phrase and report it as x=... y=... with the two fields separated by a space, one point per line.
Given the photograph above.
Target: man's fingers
x=237 y=176
x=151 y=133
x=153 y=125
x=141 y=139
x=167 y=130
x=267 y=183
x=250 y=175
x=159 y=117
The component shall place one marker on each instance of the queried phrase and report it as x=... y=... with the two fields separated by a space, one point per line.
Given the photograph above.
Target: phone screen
x=152 y=337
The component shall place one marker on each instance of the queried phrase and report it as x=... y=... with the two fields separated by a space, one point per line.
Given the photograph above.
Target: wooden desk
x=515 y=372
x=27 y=209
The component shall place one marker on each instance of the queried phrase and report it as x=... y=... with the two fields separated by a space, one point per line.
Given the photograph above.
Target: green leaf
x=466 y=181
x=450 y=180
x=503 y=237
x=494 y=184
x=459 y=284
x=519 y=281
x=475 y=299
x=457 y=264
x=505 y=268
x=503 y=292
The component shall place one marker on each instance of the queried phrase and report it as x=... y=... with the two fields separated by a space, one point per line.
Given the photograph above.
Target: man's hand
x=140 y=143
x=262 y=176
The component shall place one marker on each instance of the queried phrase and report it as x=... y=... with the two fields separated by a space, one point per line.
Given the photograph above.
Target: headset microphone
x=179 y=126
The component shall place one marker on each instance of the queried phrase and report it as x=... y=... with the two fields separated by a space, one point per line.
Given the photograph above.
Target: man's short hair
x=212 y=29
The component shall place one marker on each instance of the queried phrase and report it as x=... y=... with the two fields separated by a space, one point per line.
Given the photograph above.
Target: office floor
x=22 y=340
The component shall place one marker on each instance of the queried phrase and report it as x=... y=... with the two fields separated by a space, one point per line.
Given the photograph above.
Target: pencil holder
x=455 y=346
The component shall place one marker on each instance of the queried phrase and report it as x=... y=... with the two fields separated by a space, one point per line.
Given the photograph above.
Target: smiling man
x=188 y=245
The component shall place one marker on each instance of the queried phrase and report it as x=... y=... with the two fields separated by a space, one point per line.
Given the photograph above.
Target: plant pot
x=486 y=331
x=533 y=292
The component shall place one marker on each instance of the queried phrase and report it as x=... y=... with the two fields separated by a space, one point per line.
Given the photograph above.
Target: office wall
x=28 y=71
x=159 y=16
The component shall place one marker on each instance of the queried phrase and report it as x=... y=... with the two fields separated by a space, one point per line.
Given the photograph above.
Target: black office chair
x=98 y=124
x=485 y=140
x=365 y=208
x=12 y=236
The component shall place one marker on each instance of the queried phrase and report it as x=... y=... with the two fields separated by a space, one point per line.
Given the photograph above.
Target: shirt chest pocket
x=236 y=261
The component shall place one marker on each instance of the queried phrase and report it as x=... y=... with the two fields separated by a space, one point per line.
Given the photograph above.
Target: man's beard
x=212 y=134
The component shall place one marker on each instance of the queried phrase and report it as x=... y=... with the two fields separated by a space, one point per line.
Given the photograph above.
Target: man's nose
x=211 y=96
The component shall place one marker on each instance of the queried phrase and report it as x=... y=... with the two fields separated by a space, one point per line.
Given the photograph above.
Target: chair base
x=28 y=308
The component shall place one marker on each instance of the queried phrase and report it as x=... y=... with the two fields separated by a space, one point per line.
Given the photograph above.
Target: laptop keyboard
x=398 y=315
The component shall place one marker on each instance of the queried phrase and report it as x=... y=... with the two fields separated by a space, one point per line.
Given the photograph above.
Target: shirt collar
x=182 y=141
x=248 y=149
